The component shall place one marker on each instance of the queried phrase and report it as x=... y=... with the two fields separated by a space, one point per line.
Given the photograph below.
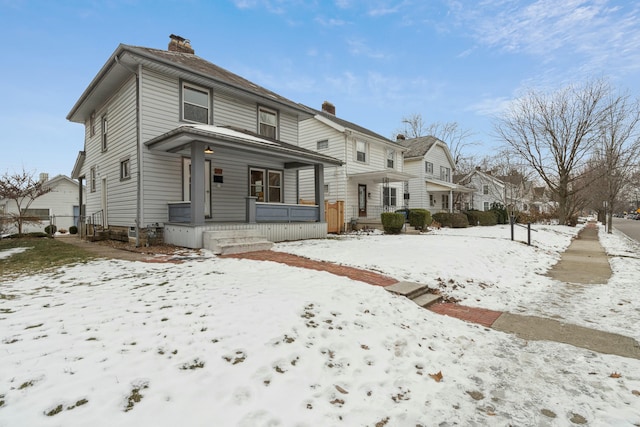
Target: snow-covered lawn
x=227 y=342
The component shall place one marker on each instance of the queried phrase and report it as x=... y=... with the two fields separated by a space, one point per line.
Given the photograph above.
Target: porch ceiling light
x=208 y=150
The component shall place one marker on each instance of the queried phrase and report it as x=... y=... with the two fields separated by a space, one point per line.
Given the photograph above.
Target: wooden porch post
x=197 y=183
x=318 y=171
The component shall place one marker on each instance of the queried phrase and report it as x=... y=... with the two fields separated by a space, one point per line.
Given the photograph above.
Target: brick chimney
x=400 y=137
x=44 y=177
x=328 y=107
x=179 y=44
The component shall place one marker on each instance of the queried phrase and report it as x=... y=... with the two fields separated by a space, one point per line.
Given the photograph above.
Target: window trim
x=389 y=196
x=485 y=189
x=92 y=179
x=266 y=187
x=365 y=152
x=104 y=136
x=185 y=84
x=125 y=169
x=486 y=206
x=322 y=144
x=391 y=157
x=428 y=167
x=445 y=174
x=262 y=108
x=40 y=215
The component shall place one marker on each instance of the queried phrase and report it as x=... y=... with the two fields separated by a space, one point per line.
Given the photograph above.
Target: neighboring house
x=489 y=189
x=430 y=161
x=371 y=179
x=60 y=206
x=156 y=118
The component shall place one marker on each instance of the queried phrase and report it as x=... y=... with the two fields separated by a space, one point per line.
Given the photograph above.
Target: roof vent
x=180 y=44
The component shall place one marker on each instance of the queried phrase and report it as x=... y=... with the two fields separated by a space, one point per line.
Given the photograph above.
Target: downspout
x=138 y=151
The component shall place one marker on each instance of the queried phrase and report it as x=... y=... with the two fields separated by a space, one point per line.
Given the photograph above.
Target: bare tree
x=554 y=134
x=618 y=148
x=22 y=189
x=456 y=138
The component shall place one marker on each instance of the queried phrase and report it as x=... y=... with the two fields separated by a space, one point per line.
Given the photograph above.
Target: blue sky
x=377 y=61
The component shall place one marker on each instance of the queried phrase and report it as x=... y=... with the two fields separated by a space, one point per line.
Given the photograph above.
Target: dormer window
x=195 y=104
x=268 y=123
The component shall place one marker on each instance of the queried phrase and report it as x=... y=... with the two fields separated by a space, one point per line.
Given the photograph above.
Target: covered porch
x=236 y=180
x=443 y=195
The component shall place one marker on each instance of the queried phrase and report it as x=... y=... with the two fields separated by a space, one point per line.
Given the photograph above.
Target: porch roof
x=180 y=139
x=446 y=186
x=382 y=176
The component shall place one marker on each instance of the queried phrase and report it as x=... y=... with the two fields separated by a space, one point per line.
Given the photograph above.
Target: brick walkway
x=298 y=261
x=470 y=314
x=481 y=316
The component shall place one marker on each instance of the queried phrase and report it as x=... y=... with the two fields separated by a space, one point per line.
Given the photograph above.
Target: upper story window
x=267 y=123
x=391 y=158
x=445 y=174
x=322 y=145
x=195 y=104
x=485 y=189
x=92 y=179
x=105 y=131
x=125 y=169
x=361 y=151
x=428 y=167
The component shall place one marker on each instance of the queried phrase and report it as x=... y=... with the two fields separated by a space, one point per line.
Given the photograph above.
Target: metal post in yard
x=511 y=221
x=529 y=234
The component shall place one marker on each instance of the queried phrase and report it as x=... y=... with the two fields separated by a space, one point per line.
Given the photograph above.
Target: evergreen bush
x=50 y=229
x=392 y=222
x=73 y=230
x=419 y=218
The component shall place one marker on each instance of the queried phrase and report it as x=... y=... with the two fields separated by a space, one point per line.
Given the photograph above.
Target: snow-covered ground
x=228 y=342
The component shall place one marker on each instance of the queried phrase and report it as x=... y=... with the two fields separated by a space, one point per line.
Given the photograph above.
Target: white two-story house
x=431 y=162
x=371 y=178
x=177 y=145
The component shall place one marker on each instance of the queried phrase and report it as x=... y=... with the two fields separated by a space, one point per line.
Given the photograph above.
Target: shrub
x=392 y=222
x=73 y=230
x=419 y=218
x=50 y=229
x=459 y=220
x=500 y=212
x=444 y=218
x=481 y=218
x=404 y=212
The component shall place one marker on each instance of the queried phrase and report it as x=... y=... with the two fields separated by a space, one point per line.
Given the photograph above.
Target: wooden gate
x=334 y=213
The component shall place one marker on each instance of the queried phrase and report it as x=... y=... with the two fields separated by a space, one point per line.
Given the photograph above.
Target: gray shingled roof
x=348 y=124
x=199 y=65
x=419 y=146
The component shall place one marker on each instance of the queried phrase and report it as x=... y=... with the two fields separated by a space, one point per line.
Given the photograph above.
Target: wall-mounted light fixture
x=208 y=150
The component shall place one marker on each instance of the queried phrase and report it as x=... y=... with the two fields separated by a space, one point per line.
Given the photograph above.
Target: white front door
x=186 y=184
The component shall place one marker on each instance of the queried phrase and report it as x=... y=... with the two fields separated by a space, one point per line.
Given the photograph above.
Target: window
x=361 y=151
x=125 y=169
x=428 y=167
x=41 y=214
x=485 y=189
x=326 y=189
x=389 y=196
x=195 y=104
x=322 y=145
x=391 y=158
x=486 y=206
x=270 y=191
x=432 y=200
x=445 y=201
x=92 y=179
x=445 y=174
x=267 y=123
x=105 y=129
x=275 y=187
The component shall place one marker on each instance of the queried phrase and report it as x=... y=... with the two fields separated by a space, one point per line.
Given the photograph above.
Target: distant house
x=177 y=146
x=60 y=206
x=488 y=189
x=429 y=160
x=371 y=178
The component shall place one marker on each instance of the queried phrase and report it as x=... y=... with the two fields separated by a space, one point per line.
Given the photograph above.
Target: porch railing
x=180 y=212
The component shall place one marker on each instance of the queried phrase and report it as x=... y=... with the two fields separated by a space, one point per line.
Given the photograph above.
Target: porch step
x=223 y=242
x=416 y=292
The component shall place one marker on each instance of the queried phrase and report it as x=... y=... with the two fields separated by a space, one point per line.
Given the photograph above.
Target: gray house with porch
x=179 y=147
